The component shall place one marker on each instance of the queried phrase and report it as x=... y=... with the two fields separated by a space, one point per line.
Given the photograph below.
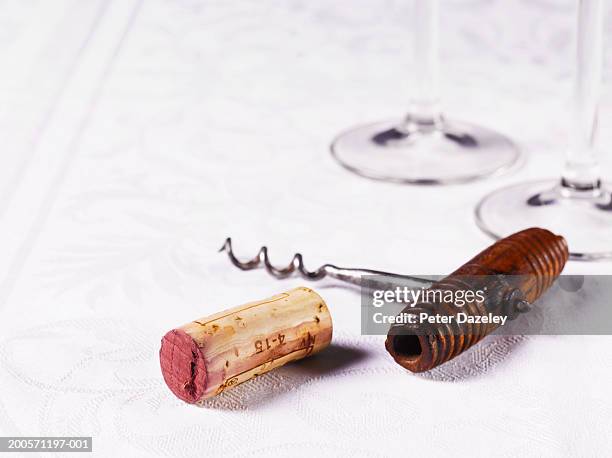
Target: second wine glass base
x=453 y=152
x=584 y=218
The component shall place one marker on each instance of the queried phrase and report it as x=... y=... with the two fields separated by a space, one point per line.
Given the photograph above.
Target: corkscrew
x=367 y=278
x=515 y=272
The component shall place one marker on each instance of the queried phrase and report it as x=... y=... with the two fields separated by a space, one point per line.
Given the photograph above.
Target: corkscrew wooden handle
x=533 y=258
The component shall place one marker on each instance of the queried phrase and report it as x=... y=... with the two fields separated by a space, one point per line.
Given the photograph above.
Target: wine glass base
x=451 y=152
x=584 y=218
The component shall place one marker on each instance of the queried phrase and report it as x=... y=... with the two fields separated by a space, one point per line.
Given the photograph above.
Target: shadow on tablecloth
x=269 y=387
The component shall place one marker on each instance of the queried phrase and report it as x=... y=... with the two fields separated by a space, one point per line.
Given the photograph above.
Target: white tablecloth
x=137 y=135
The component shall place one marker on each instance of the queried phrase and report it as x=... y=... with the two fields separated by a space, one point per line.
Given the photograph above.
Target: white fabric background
x=137 y=135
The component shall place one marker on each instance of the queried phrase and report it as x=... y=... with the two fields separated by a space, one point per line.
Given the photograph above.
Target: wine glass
x=579 y=205
x=425 y=147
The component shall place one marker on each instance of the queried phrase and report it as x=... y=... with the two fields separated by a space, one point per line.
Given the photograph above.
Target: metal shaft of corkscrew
x=366 y=278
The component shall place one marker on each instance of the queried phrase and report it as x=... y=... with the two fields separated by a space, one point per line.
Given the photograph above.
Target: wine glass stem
x=581 y=170
x=424 y=106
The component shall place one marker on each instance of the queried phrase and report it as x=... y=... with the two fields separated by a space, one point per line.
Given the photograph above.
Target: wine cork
x=207 y=356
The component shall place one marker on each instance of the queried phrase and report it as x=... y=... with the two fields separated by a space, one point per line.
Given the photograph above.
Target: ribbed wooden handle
x=209 y=355
x=534 y=258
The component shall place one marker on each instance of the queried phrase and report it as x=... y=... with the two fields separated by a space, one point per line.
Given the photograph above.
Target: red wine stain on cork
x=183 y=366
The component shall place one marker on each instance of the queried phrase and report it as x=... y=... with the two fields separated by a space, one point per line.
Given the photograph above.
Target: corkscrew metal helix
x=354 y=276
